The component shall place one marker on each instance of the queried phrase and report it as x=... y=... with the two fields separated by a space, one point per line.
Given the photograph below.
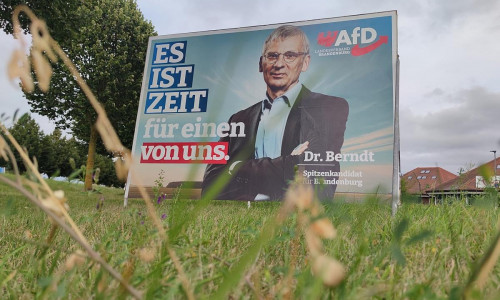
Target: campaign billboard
x=263 y=104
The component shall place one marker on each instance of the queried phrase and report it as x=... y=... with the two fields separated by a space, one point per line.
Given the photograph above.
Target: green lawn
x=425 y=252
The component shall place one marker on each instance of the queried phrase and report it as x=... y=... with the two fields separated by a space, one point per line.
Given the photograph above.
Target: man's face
x=280 y=75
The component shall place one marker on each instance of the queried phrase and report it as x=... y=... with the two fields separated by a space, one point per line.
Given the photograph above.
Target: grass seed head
x=19 y=67
x=301 y=195
x=323 y=228
x=27 y=234
x=75 y=259
x=313 y=242
x=41 y=38
x=56 y=203
x=61 y=198
x=42 y=68
x=331 y=271
x=147 y=254
x=3 y=149
x=108 y=134
x=122 y=165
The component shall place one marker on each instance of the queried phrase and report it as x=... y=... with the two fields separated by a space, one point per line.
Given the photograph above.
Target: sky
x=449 y=92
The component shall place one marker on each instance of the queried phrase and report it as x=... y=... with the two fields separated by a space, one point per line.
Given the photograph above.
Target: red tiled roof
x=419 y=180
x=467 y=181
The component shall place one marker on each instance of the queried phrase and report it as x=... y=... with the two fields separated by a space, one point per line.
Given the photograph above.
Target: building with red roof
x=420 y=180
x=471 y=183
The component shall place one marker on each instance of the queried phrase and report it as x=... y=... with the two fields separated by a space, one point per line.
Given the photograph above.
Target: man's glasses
x=288 y=56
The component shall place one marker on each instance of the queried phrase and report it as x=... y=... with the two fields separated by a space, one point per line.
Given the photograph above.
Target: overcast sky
x=450 y=65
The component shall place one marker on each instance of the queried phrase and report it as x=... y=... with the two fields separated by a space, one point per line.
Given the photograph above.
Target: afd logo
x=363 y=39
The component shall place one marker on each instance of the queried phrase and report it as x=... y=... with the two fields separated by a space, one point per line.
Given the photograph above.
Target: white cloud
x=454 y=136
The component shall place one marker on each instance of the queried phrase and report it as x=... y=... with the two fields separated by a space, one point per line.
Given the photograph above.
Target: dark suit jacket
x=317 y=118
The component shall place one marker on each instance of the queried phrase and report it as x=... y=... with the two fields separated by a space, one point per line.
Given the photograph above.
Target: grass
x=425 y=252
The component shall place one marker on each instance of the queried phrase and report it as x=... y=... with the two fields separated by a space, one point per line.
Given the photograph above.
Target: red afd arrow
x=358 y=51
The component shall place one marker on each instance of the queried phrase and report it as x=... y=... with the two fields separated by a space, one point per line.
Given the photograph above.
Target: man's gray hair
x=284 y=32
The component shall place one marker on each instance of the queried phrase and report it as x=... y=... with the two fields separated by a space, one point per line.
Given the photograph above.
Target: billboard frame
x=395 y=155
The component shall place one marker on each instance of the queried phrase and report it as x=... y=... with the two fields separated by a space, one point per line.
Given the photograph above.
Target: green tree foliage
x=107 y=41
x=28 y=134
x=107 y=175
x=55 y=153
x=56 y=13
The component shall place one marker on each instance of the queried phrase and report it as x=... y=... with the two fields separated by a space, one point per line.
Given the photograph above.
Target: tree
x=107 y=41
x=28 y=134
x=55 y=153
x=72 y=149
x=107 y=175
x=49 y=153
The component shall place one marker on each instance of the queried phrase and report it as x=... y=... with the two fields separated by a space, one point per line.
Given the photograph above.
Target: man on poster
x=281 y=127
